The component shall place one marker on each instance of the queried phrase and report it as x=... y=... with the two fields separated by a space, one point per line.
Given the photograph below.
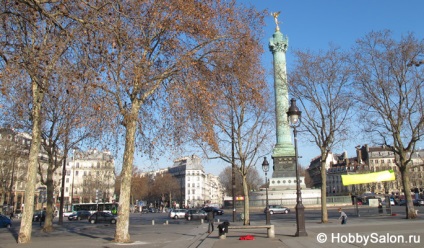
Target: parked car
x=217 y=211
x=40 y=214
x=418 y=202
x=144 y=210
x=66 y=214
x=104 y=217
x=195 y=214
x=177 y=213
x=80 y=215
x=153 y=210
x=277 y=209
x=5 y=221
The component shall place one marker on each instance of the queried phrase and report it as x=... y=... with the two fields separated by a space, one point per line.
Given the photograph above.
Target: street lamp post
x=265 y=168
x=294 y=119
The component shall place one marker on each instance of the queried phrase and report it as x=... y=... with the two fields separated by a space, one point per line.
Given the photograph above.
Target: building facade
x=87 y=172
x=368 y=159
x=14 y=155
x=197 y=187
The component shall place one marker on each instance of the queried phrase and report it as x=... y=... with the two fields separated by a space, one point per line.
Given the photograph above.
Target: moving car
x=277 y=209
x=215 y=210
x=5 y=221
x=177 y=213
x=195 y=214
x=80 y=215
x=104 y=217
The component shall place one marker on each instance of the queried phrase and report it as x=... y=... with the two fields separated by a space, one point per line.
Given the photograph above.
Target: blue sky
x=314 y=24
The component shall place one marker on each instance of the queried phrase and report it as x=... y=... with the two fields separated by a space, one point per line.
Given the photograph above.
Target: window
x=77 y=165
x=98 y=165
x=66 y=189
x=76 y=173
x=67 y=180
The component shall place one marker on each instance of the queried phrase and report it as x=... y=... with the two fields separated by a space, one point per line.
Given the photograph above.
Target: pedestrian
x=211 y=217
x=343 y=216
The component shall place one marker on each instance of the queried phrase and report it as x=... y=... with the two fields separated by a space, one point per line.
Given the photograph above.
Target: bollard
x=271 y=232
x=166 y=222
x=201 y=221
x=153 y=222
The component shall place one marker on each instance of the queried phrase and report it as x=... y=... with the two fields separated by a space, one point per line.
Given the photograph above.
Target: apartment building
x=368 y=159
x=197 y=187
x=86 y=172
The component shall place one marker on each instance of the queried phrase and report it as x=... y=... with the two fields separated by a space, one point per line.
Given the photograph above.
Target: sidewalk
x=370 y=231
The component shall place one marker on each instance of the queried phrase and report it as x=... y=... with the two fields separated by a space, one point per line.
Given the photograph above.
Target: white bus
x=94 y=207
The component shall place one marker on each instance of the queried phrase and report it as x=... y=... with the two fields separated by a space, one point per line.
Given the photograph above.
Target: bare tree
x=242 y=121
x=253 y=180
x=147 y=58
x=164 y=186
x=391 y=96
x=32 y=47
x=322 y=84
x=147 y=55
x=139 y=186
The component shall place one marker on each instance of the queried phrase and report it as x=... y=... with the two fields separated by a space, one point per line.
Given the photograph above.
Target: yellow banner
x=373 y=177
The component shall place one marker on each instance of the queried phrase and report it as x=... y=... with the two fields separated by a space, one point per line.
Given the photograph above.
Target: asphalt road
x=158 y=230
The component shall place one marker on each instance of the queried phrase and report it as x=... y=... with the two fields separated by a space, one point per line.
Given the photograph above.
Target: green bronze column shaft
x=278 y=46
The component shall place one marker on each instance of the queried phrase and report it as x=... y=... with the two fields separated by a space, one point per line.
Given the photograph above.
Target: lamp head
x=265 y=165
x=294 y=113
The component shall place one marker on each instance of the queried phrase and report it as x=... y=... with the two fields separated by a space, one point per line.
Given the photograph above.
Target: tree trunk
x=48 y=224
x=324 y=213
x=122 y=225
x=31 y=180
x=246 y=202
x=409 y=206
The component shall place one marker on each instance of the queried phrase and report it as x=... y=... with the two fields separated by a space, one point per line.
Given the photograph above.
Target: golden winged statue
x=275 y=15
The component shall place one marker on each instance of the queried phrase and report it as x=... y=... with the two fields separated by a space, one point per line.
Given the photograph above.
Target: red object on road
x=247 y=237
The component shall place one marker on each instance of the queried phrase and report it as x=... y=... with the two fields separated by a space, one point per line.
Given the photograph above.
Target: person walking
x=343 y=216
x=211 y=218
